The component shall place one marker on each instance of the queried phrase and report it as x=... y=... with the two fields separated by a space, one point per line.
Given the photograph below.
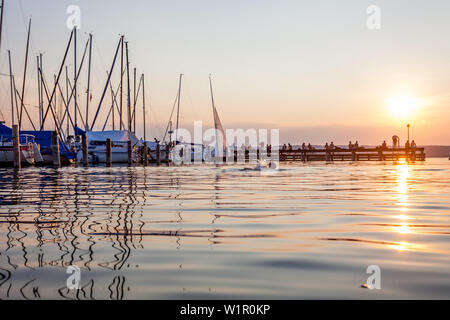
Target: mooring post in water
x=16 y=146
x=145 y=150
x=380 y=155
x=85 y=150
x=167 y=152
x=55 y=149
x=130 y=152
x=158 y=154
x=108 y=152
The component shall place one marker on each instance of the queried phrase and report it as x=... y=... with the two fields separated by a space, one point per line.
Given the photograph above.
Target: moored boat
x=27 y=155
x=96 y=141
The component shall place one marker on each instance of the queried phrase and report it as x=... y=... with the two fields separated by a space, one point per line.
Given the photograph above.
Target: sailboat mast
x=88 y=92
x=134 y=102
x=39 y=90
x=112 y=106
x=178 y=108
x=143 y=104
x=1 y=21
x=24 y=76
x=121 y=82
x=75 y=75
x=12 y=86
x=67 y=99
x=128 y=89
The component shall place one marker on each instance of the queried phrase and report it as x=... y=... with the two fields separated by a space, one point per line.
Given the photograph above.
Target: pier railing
x=359 y=154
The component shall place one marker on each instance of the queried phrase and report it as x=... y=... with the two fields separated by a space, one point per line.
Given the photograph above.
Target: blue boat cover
x=44 y=139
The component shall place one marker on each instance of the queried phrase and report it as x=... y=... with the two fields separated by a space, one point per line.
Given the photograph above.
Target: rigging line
x=135 y=99
x=67 y=108
x=117 y=104
x=26 y=111
x=107 y=82
x=113 y=104
x=57 y=80
x=73 y=89
x=170 y=119
x=78 y=108
x=44 y=84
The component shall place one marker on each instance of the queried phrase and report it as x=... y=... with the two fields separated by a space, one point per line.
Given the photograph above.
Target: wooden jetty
x=360 y=154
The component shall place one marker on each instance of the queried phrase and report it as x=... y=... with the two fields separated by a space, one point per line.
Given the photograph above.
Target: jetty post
x=84 y=146
x=145 y=150
x=130 y=152
x=158 y=154
x=108 y=152
x=16 y=146
x=167 y=152
x=55 y=149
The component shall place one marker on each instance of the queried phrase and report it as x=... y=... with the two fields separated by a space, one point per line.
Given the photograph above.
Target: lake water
x=306 y=231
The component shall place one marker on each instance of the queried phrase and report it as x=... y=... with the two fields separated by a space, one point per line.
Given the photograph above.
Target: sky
x=312 y=69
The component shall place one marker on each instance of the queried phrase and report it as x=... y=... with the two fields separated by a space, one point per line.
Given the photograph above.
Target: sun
x=403 y=106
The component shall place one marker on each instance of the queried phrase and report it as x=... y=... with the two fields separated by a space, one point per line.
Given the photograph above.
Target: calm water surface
x=307 y=231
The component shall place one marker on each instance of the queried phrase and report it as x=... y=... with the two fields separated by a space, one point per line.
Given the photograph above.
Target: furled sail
x=218 y=125
x=219 y=128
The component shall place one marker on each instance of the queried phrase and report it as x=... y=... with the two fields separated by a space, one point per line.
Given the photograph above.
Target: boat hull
x=118 y=155
x=7 y=155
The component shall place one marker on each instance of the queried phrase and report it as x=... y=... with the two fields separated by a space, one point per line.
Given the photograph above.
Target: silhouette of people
x=310 y=146
x=384 y=145
x=304 y=146
x=395 y=141
x=350 y=145
x=284 y=147
x=289 y=147
x=407 y=145
x=413 y=144
x=326 y=146
x=332 y=145
x=356 y=145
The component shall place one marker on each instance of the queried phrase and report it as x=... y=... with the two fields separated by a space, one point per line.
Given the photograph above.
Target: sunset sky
x=310 y=68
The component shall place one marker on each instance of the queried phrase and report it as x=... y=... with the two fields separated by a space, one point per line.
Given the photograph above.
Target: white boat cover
x=115 y=136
